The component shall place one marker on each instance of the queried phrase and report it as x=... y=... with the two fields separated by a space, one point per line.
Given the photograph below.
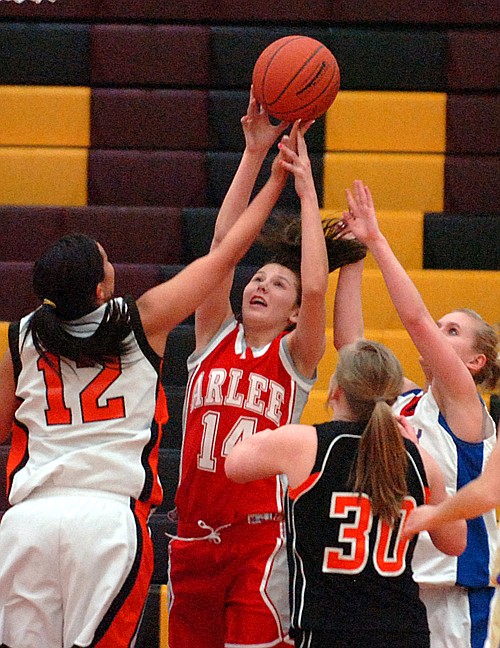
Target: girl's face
x=106 y=287
x=270 y=297
x=460 y=329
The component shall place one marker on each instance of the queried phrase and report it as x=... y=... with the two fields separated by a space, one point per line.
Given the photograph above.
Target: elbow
x=314 y=289
x=460 y=541
x=457 y=538
x=450 y=537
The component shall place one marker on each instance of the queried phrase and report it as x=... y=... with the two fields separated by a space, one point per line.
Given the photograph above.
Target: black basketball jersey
x=349 y=571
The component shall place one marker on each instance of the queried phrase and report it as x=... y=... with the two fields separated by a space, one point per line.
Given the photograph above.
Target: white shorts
x=457 y=616
x=73 y=567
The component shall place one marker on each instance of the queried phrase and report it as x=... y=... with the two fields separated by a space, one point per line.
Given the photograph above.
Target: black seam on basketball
x=310 y=83
x=306 y=62
x=263 y=83
x=280 y=114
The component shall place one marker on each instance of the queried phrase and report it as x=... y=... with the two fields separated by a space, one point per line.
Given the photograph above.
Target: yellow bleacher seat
x=397 y=340
x=398 y=181
x=442 y=292
x=4 y=341
x=387 y=121
x=44 y=116
x=43 y=176
x=405 y=232
x=163 y=638
x=316 y=410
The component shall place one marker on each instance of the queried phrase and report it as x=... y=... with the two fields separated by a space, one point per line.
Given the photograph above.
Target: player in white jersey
x=452 y=423
x=475 y=498
x=80 y=390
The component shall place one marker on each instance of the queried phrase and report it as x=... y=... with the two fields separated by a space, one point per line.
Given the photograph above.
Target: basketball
x=296 y=77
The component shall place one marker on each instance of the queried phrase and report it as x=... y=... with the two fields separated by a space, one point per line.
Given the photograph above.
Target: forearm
x=238 y=194
x=471 y=501
x=166 y=305
x=314 y=259
x=245 y=230
x=348 y=324
x=404 y=294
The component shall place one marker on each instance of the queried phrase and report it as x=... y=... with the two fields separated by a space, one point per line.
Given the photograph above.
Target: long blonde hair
x=371 y=378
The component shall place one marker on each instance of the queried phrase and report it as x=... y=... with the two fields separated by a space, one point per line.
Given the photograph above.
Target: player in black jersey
x=352 y=483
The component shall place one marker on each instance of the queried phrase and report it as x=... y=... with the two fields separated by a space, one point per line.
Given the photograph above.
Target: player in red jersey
x=80 y=387
x=228 y=573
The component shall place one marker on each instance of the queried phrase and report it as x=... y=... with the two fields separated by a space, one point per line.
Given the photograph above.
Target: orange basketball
x=296 y=77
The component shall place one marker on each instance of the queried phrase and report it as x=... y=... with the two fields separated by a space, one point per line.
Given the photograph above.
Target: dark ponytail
x=65 y=279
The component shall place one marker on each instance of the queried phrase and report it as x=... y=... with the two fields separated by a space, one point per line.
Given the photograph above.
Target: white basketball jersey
x=461 y=462
x=86 y=427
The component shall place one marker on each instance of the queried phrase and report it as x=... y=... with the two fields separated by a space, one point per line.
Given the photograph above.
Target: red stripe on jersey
x=427 y=494
x=161 y=418
x=18 y=453
x=409 y=408
x=125 y=620
x=293 y=493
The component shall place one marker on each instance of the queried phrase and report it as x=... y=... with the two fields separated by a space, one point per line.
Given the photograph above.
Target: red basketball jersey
x=233 y=391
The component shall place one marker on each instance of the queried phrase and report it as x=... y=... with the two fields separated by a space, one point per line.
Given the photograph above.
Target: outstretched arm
x=260 y=134
x=307 y=342
x=166 y=305
x=471 y=501
x=348 y=324
x=290 y=450
x=452 y=384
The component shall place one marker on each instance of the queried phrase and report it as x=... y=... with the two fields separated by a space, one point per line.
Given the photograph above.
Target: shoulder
x=282 y=343
x=231 y=327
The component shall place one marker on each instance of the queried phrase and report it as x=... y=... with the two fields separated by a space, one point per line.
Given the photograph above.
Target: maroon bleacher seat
x=165 y=178
x=471 y=183
x=149 y=119
x=472 y=123
x=128 y=234
x=471 y=56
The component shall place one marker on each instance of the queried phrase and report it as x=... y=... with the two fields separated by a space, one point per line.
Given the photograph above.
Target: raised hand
x=294 y=158
x=260 y=134
x=361 y=219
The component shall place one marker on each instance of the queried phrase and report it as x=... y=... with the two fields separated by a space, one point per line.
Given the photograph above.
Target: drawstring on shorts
x=213 y=536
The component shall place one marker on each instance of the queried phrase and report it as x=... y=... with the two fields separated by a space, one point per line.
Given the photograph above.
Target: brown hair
x=371 y=377
x=486 y=342
x=281 y=240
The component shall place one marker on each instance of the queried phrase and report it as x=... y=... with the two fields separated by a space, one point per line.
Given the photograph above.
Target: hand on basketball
x=260 y=133
x=361 y=219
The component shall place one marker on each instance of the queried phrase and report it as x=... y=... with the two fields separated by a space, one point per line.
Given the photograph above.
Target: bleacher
x=122 y=120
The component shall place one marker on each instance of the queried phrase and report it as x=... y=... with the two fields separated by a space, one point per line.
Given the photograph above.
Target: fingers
x=351 y=203
x=305 y=126
x=253 y=106
x=279 y=128
x=301 y=144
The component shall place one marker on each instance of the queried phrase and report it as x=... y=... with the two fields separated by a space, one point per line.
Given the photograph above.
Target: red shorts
x=230 y=593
